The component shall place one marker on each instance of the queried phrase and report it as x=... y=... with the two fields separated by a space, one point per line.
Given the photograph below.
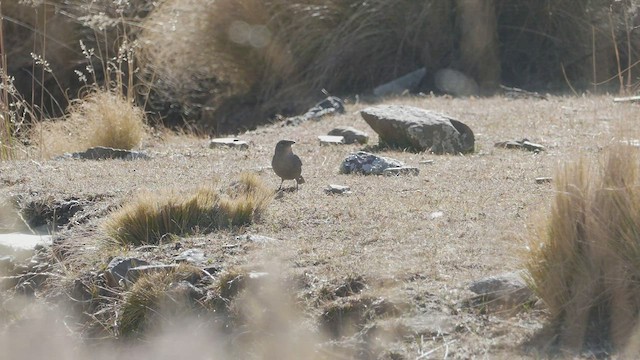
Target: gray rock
x=351 y=135
x=331 y=140
x=134 y=273
x=104 y=153
x=119 y=267
x=330 y=105
x=419 y=129
x=407 y=82
x=543 y=180
x=456 y=83
x=367 y=164
x=22 y=246
x=402 y=170
x=193 y=256
x=523 y=144
x=337 y=189
x=257 y=274
x=258 y=239
x=506 y=290
x=516 y=93
x=185 y=290
x=229 y=143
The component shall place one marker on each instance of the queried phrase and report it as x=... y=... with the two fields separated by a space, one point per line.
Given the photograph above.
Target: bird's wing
x=297 y=160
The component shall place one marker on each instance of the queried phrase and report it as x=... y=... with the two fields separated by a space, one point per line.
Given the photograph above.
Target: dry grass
x=578 y=38
x=102 y=118
x=383 y=232
x=586 y=264
x=155 y=298
x=149 y=218
x=257 y=59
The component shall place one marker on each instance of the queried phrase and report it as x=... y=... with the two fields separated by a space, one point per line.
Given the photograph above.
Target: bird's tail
x=300 y=180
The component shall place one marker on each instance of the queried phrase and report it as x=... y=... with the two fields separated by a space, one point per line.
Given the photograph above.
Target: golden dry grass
x=102 y=118
x=586 y=262
x=148 y=302
x=150 y=218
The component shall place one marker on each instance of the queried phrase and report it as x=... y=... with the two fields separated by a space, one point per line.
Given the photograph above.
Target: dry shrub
x=236 y=64
x=101 y=118
x=275 y=57
x=540 y=38
x=586 y=264
x=150 y=217
x=40 y=45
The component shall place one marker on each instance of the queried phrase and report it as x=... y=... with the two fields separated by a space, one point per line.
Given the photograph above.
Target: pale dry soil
x=384 y=231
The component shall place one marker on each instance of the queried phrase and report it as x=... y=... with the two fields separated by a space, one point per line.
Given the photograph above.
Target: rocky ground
x=390 y=269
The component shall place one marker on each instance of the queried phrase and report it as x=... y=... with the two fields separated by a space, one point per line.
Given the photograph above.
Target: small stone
x=368 y=164
x=331 y=140
x=436 y=214
x=351 y=135
x=527 y=145
x=506 y=290
x=257 y=274
x=523 y=144
x=134 y=273
x=228 y=142
x=329 y=106
x=543 y=180
x=193 y=256
x=119 y=267
x=455 y=82
x=337 y=189
x=407 y=82
x=105 y=153
x=401 y=170
x=258 y=239
x=22 y=246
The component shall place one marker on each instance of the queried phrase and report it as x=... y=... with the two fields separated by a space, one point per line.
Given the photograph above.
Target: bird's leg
x=282 y=181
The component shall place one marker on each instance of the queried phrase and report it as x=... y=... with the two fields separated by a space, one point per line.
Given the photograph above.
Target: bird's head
x=283 y=145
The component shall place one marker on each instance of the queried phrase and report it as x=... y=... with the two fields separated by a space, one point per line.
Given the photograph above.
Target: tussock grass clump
x=156 y=297
x=586 y=264
x=150 y=217
x=102 y=118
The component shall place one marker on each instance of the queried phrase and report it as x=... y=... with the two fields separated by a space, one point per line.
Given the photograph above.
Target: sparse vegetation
x=380 y=275
x=157 y=297
x=102 y=118
x=587 y=261
x=148 y=218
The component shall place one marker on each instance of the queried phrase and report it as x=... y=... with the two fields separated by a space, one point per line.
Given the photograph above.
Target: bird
x=286 y=164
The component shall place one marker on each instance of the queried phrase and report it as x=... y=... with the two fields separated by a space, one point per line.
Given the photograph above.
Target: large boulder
x=419 y=129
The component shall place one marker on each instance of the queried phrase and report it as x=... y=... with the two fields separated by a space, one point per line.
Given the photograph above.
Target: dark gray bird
x=286 y=164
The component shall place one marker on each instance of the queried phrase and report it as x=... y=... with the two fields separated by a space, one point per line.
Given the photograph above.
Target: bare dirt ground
x=382 y=240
